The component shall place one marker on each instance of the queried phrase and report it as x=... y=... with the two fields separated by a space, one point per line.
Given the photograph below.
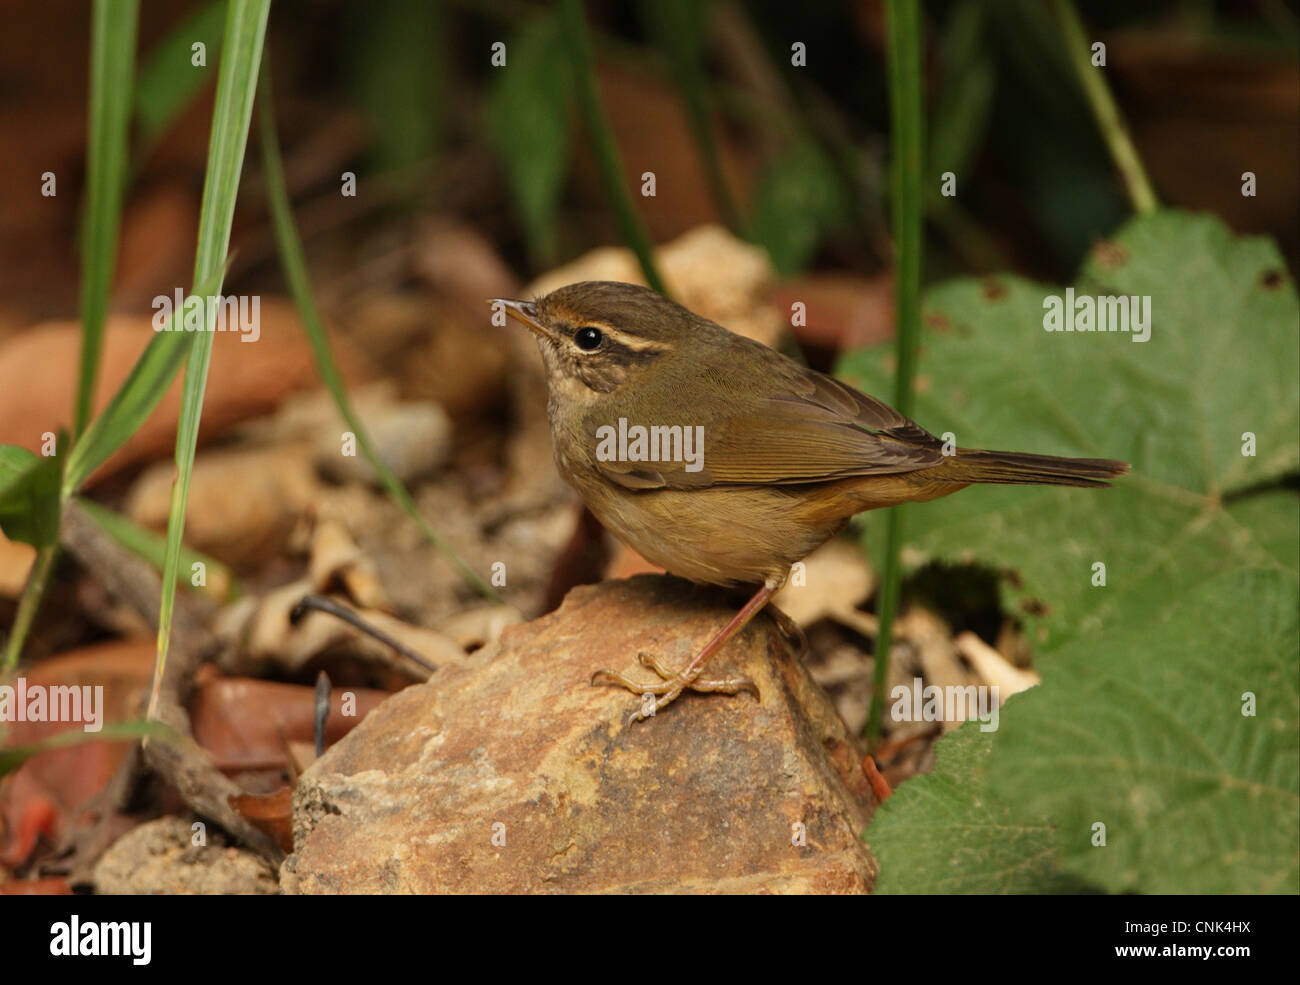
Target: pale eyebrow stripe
x=635 y=343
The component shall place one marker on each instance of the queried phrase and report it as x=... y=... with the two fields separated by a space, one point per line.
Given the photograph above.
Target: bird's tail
x=1020 y=468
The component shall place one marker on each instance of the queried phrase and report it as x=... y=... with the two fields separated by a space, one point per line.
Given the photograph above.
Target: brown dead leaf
x=246 y=724
x=840 y=311
x=245 y=379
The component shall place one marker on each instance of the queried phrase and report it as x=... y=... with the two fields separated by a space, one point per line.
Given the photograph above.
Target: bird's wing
x=809 y=427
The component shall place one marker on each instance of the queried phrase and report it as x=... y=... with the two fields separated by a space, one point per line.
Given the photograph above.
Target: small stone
x=412 y=439
x=159 y=857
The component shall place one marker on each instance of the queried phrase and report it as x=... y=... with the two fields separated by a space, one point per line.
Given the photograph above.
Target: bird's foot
x=656 y=696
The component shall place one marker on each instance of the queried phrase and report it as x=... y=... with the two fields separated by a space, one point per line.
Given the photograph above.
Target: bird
x=757 y=459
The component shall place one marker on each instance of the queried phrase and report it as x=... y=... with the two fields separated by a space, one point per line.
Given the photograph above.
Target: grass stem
x=112 y=65
x=29 y=603
x=1109 y=120
x=904 y=45
x=241 y=57
x=630 y=224
x=294 y=263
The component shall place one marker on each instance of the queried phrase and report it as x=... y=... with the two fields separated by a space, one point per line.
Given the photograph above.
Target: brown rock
x=708 y=796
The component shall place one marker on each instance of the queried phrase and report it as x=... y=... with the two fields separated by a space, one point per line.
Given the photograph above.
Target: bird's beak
x=525 y=312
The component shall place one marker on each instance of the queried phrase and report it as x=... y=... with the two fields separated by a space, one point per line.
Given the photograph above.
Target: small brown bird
x=721 y=460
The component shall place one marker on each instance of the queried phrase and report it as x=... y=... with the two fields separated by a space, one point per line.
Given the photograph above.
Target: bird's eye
x=588 y=339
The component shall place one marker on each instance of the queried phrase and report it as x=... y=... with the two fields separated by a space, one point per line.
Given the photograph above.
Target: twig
x=185 y=765
x=319 y=603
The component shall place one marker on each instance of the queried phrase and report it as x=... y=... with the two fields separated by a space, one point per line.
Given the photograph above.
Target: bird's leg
x=673 y=684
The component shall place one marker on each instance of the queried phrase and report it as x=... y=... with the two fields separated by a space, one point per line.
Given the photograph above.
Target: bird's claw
x=671 y=683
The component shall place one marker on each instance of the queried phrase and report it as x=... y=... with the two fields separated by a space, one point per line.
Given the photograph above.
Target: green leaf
x=528 y=124
x=945 y=833
x=29 y=496
x=144 y=543
x=1138 y=723
x=1271 y=518
x=964 y=98
x=800 y=198
x=1221 y=361
x=1142 y=729
x=14 y=756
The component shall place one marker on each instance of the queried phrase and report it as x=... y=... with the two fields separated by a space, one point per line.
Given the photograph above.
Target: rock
x=512 y=774
x=159 y=857
x=412 y=439
x=244 y=503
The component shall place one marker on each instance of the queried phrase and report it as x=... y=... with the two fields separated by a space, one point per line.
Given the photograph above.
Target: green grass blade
x=236 y=86
x=222 y=585
x=295 y=271
x=169 y=80
x=1109 y=120
x=630 y=224
x=135 y=400
x=904 y=28
x=29 y=602
x=678 y=28
x=14 y=756
x=112 y=64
